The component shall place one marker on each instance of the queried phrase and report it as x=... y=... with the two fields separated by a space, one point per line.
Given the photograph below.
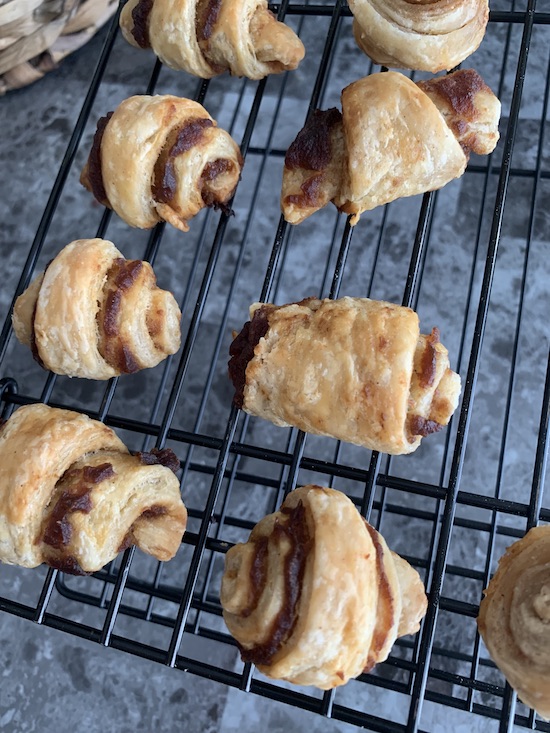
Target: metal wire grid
x=177 y=602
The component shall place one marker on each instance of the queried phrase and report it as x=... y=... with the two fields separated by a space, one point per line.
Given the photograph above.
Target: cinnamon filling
x=165 y=457
x=92 y=175
x=206 y=17
x=385 y=610
x=178 y=142
x=242 y=351
x=295 y=532
x=210 y=173
x=140 y=17
x=312 y=148
x=120 y=278
x=422 y=426
x=428 y=364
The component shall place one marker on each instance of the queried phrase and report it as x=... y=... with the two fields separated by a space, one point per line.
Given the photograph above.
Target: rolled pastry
x=94 y=314
x=161 y=158
x=72 y=496
x=514 y=618
x=428 y=36
x=355 y=369
x=208 y=37
x=315 y=596
x=394 y=138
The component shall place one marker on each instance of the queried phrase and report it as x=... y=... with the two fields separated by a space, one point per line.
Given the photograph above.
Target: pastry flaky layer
x=161 y=158
x=514 y=618
x=355 y=369
x=393 y=138
x=315 y=596
x=96 y=315
x=72 y=496
x=208 y=37
x=428 y=36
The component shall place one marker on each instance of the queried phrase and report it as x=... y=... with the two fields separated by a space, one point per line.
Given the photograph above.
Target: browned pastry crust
x=73 y=497
x=95 y=315
x=315 y=596
x=355 y=369
x=208 y=37
x=161 y=158
x=428 y=36
x=514 y=618
x=393 y=139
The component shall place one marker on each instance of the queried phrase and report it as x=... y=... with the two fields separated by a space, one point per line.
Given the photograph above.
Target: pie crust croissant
x=161 y=158
x=428 y=36
x=355 y=369
x=95 y=315
x=393 y=138
x=72 y=496
x=208 y=37
x=514 y=618
x=315 y=596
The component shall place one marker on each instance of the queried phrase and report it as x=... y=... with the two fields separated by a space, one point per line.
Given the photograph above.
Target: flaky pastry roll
x=72 y=496
x=315 y=596
x=514 y=618
x=393 y=138
x=94 y=314
x=208 y=37
x=161 y=158
x=428 y=36
x=355 y=369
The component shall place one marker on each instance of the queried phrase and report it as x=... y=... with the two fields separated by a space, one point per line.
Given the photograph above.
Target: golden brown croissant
x=94 y=314
x=315 y=596
x=394 y=138
x=208 y=37
x=355 y=369
x=161 y=158
x=514 y=618
x=428 y=36
x=72 y=496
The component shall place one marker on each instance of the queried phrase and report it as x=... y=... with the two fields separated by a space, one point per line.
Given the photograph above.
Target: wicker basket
x=36 y=34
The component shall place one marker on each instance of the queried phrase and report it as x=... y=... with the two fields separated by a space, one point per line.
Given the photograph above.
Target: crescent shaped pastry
x=427 y=36
x=355 y=369
x=207 y=37
x=72 y=496
x=95 y=315
x=514 y=618
x=161 y=158
x=393 y=138
x=315 y=596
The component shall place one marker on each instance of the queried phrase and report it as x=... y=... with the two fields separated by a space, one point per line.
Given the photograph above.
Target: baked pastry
x=161 y=158
x=394 y=138
x=208 y=37
x=514 y=618
x=72 y=496
x=355 y=369
x=315 y=596
x=428 y=36
x=94 y=314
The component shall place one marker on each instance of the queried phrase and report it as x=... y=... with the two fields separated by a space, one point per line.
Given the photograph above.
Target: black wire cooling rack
x=471 y=258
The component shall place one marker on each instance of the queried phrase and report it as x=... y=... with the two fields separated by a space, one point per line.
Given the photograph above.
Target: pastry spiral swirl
x=72 y=496
x=315 y=596
x=95 y=315
x=427 y=36
x=514 y=618
x=355 y=369
x=161 y=158
x=393 y=138
x=207 y=37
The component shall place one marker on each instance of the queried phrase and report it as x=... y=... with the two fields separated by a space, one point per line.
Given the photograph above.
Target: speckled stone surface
x=55 y=681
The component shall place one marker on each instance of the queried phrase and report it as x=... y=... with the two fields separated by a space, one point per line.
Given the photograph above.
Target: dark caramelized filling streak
x=242 y=351
x=140 y=17
x=120 y=278
x=92 y=178
x=428 y=363
x=312 y=147
x=295 y=531
x=165 y=457
x=384 y=608
x=206 y=18
x=178 y=142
